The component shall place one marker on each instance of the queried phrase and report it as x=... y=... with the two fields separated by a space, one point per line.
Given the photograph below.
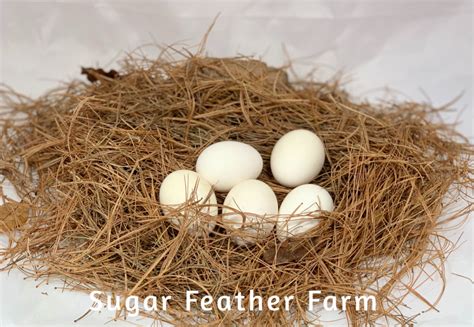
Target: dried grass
x=101 y=149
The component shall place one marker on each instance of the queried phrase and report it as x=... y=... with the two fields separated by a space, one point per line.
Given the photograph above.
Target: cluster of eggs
x=250 y=210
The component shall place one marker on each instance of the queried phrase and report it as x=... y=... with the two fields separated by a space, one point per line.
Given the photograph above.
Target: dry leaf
x=284 y=253
x=244 y=70
x=94 y=74
x=13 y=215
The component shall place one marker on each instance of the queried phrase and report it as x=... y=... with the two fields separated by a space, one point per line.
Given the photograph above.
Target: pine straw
x=101 y=150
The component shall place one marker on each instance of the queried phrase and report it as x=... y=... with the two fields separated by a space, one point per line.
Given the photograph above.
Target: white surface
x=408 y=45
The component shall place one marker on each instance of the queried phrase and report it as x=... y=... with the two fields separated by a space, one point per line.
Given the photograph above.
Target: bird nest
x=88 y=158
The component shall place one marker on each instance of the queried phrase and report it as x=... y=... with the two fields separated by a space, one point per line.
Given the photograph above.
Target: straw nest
x=88 y=159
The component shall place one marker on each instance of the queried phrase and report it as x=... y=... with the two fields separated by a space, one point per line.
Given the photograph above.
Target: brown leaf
x=13 y=215
x=245 y=70
x=95 y=74
x=284 y=252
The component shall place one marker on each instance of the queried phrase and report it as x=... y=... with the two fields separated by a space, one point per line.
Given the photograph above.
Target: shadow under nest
x=100 y=150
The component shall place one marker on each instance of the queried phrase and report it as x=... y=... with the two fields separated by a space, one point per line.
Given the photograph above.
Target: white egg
x=259 y=204
x=225 y=164
x=297 y=158
x=180 y=191
x=299 y=210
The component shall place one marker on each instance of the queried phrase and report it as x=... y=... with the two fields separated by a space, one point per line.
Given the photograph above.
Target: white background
x=419 y=48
